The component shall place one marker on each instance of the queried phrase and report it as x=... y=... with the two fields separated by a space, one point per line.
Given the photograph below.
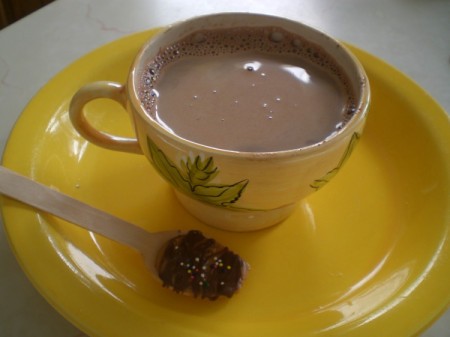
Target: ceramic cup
x=231 y=190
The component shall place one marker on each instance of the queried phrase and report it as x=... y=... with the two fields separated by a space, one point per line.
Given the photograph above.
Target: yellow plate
x=368 y=255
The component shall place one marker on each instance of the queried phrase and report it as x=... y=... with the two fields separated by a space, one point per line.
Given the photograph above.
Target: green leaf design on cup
x=194 y=177
x=319 y=183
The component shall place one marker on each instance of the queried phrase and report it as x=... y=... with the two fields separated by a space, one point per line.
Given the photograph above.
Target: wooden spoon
x=150 y=245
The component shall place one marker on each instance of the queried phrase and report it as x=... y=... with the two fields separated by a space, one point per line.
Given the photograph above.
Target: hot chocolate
x=247 y=89
x=242 y=114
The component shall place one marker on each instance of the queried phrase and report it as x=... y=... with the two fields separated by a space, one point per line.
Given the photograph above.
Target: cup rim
x=358 y=117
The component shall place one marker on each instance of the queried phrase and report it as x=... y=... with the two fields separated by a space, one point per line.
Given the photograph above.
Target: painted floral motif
x=195 y=176
x=319 y=183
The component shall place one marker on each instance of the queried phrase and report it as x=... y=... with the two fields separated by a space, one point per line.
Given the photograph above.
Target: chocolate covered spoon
x=188 y=262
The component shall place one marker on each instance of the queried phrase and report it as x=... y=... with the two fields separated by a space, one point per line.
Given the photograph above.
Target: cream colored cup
x=238 y=191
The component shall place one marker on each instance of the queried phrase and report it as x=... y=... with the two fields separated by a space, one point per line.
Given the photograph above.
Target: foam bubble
x=276 y=36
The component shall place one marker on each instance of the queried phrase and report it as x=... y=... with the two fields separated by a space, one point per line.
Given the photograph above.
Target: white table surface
x=412 y=35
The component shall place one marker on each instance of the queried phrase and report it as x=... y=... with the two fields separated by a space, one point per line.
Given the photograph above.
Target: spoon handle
x=65 y=207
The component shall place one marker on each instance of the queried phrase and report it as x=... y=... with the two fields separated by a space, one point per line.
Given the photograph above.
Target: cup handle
x=90 y=92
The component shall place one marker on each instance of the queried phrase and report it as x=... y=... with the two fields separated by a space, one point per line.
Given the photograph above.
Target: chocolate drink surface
x=247 y=89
